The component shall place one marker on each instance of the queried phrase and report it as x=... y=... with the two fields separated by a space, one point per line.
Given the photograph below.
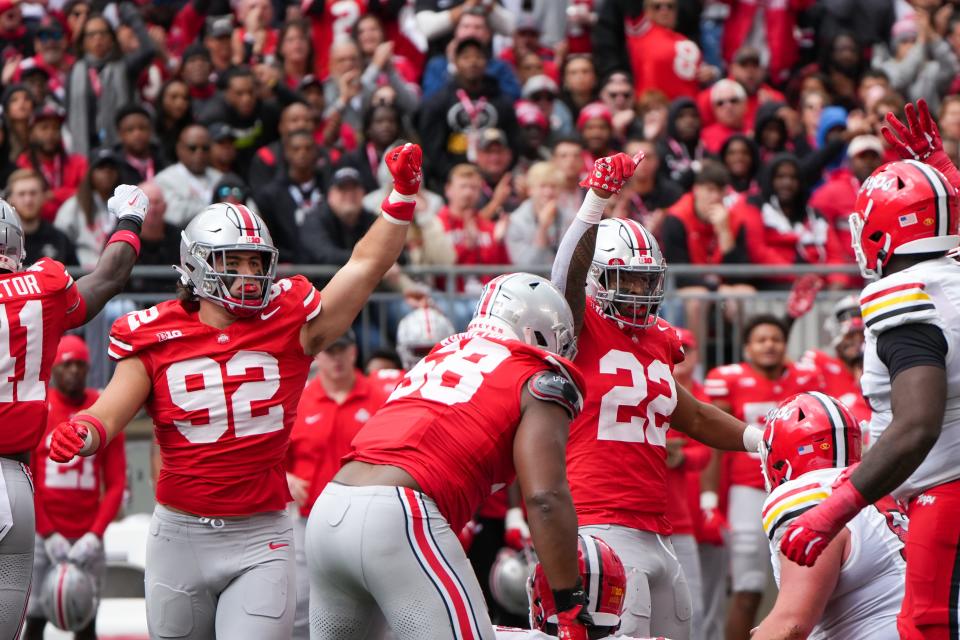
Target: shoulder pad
x=788 y=501
x=551 y=386
x=135 y=332
x=897 y=300
x=298 y=295
x=53 y=274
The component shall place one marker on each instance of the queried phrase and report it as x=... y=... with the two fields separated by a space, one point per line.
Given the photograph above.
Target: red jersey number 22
x=636 y=428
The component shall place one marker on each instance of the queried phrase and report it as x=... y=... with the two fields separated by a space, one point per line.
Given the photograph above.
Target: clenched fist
x=405 y=164
x=67 y=440
x=128 y=202
x=612 y=172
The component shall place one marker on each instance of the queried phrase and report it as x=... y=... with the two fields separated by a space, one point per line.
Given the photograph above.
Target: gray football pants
x=714 y=565
x=658 y=600
x=389 y=550
x=16 y=549
x=685 y=546
x=220 y=578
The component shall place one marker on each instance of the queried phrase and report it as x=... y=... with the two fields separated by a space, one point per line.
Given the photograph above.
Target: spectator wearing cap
x=84 y=217
x=36 y=80
x=729 y=102
x=646 y=197
x=62 y=172
x=188 y=185
x=775 y=26
x=472 y=25
x=268 y=162
x=469 y=102
x=17 y=109
x=526 y=39
x=254 y=121
x=103 y=80
x=617 y=93
x=923 y=64
x=382 y=130
x=382 y=67
x=141 y=158
x=836 y=196
x=681 y=150
x=295 y=194
x=13 y=32
x=535 y=228
x=196 y=70
x=498 y=194
x=436 y=19
x=595 y=124
x=543 y=92
x=223 y=150
x=333 y=228
x=50 y=44
x=747 y=69
x=217 y=41
x=159 y=241
x=40 y=238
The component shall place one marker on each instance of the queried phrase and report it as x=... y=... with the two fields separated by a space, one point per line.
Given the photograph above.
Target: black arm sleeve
x=912 y=345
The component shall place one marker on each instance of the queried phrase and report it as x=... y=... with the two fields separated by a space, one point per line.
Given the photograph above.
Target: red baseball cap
x=7 y=5
x=529 y=114
x=594 y=110
x=71 y=348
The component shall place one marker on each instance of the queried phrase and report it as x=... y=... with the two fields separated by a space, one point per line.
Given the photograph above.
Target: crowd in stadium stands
x=757 y=129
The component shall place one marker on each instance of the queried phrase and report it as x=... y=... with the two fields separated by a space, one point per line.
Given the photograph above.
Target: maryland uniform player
x=37 y=305
x=221 y=369
x=627 y=354
x=856 y=588
x=484 y=406
x=905 y=220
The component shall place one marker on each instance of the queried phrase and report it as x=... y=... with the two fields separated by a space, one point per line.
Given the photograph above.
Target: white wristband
x=751 y=439
x=709 y=500
x=591 y=211
x=395 y=196
x=87 y=447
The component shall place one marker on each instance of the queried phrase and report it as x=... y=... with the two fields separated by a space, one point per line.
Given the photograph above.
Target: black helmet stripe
x=838 y=428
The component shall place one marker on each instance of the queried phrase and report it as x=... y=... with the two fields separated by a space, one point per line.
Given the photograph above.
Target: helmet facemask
x=632 y=294
x=880 y=254
x=205 y=270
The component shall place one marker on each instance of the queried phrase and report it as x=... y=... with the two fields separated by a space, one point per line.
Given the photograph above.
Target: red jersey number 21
x=21 y=355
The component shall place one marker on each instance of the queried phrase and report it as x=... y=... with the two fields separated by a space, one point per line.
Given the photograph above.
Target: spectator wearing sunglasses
x=188 y=185
x=542 y=91
x=729 y=101
x=51 y=57
x=617 y=93
x=747 y=68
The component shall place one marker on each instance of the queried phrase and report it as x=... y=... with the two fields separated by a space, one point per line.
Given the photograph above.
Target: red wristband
x=399 y=212
x=95 y=421
x=129 y=237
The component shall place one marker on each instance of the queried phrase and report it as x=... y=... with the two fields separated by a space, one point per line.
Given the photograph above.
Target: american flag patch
x=907 y=220
x=805 y=449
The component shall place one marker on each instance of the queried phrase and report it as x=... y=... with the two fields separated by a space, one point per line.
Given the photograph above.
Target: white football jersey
x=511 y=633
x=869 y=591
x=929 y=293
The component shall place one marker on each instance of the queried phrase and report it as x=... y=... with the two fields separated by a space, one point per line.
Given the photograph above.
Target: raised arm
x=374 y=254
x=712 y=426
x=919 y=139
x=129 y=204
x=89 y=431
x=575 y=253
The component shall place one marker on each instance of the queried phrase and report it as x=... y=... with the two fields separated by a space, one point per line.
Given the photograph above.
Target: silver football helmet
x=11 y=238
x=528 y=308
x=68 y=597
x=418 y=332
x=509 y=575
x=627 y=273
x=214 y=232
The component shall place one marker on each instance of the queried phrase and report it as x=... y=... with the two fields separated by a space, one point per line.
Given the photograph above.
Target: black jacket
x=49 y=242
x=278 y=209
x=326 y=240
x=251 y=132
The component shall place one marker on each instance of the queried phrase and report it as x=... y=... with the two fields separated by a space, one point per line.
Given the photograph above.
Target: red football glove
x=467 y=534
x=516 y=533
x=67 y=440
x=919 y=139
x=405 y=164
x=803 y=294
x=809 y=534
x=571 y=626
x=713 y=524
x=610 y=173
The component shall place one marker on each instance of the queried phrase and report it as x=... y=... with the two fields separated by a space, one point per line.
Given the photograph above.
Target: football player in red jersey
x=482 y=407
x=74 y=502
x=37 y=305
x=904 y=228
x=627 y=355
x=748 y=391
x=221 y=369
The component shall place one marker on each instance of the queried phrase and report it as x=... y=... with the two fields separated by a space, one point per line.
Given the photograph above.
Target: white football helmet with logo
x=68 y=597
x=418 y=332
x=627 y=260
x=528 y=308
x=508 y=579
x=204 y=244
x=11 y=238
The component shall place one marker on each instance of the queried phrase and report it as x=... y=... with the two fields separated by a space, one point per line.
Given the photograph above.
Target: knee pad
x=265 y=592
x=169 y=611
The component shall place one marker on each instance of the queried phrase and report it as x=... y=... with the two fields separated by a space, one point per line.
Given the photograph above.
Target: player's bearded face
x=634 y=284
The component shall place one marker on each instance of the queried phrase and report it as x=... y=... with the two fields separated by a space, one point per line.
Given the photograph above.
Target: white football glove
x=57 y=547
x=85 y=549
x=128 y=202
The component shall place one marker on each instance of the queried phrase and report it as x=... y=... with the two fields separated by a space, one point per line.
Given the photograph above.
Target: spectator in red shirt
x=729 y=101
x=835 y=197
x=50 y=45
x=255 y=39
x=746 y=69
x=660 y=57
x=62 y=172
x=476 y=241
